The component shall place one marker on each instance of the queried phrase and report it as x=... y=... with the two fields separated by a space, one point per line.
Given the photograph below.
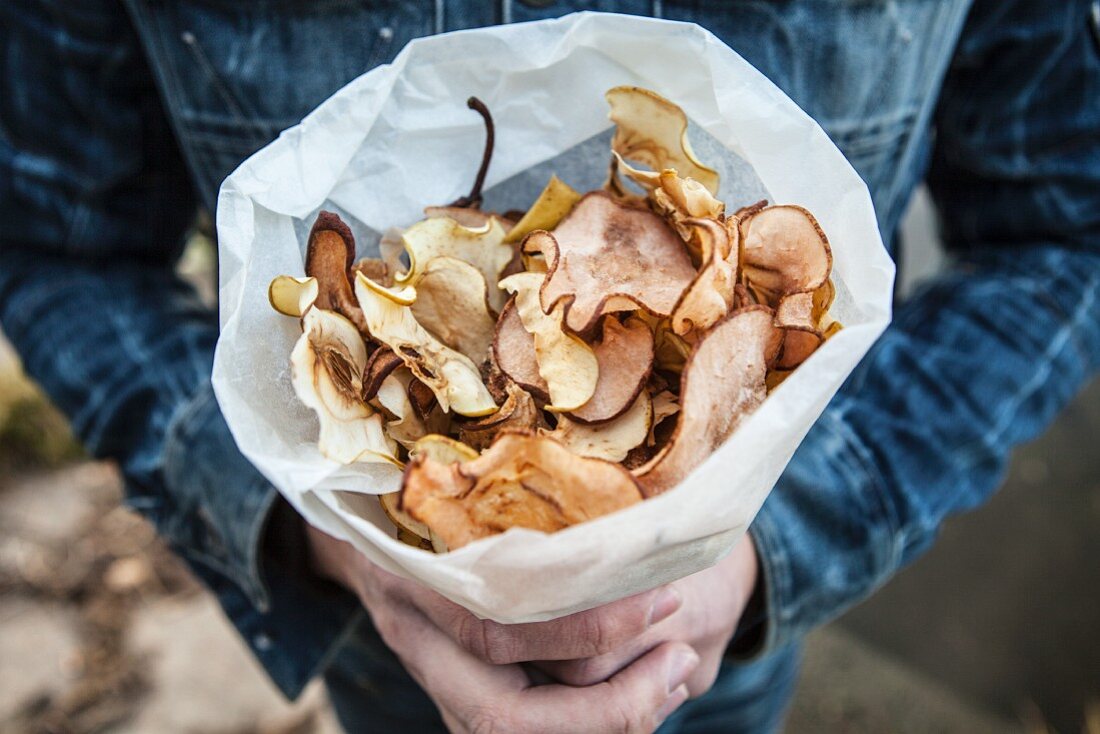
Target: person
x=121 y=117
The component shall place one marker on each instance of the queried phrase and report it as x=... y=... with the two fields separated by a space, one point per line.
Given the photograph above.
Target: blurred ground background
x=996 y=630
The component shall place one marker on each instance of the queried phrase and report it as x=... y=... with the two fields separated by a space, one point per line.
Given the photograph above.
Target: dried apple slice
x=452 y=303
x=722 y=383
x=711 y=294
x=483 y=247
x=292 y=296
x=665 y=405
x=523 y=480
x=611 y=440
x=606 y=257
x=326 y=367
x=409 y=425
x=798 y=344
x=410 y=531
x=783 y=251
x=329 y=255
x=443 y=449
x=381 y=363
x=566 y=363
x=451 y=376
x=652 y=130
x=374 y=268
x=517 y=412
x=625 y=357
x=553 y=204
x=514 y=351
x=796 y=309
x=472 y=218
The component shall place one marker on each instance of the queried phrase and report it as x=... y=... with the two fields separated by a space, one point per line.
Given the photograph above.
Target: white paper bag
x=401 y=137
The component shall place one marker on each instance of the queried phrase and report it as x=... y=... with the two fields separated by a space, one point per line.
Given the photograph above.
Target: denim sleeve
x=981 y=359
x=94 y=203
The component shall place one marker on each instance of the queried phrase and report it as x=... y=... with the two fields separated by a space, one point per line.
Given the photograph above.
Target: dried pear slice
x=374 y=268
x=611 y=440
x=482 y=247
x=798 y=344
x=607 y=257
x=625 y=357
x=652 y=130
x=451 y=376
x=452 y=303
x=472 y=218
x=409 y=425
x=523 y=480
x=796 y=309
x=711 y=294
x=292 y=296
x=783 y=251
x=555 y=201
x=514 y=351
x=381 y=363
x=518 y=412
x=326 y=367
x=443 y=449
x=722 y=383
x=566 y=363
x=329 y=255
x=665 y=405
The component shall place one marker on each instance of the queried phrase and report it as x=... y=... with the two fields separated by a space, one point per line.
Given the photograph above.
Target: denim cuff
x=249 y=547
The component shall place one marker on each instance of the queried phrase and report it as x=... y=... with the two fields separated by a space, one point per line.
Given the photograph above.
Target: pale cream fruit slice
x=326 y=371
x=567 y=365
x=451 y=376
x=292 y=296
x=722 y=383
x=483 y=247
x=452 y=303
x=612 y=440
x=652 y=130
x=443 y=449
x=408 y=425
x=555 y=201
x=607 y=257
x=522 y=480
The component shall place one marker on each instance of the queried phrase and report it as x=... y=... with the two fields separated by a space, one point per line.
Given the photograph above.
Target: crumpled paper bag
x=401 y=137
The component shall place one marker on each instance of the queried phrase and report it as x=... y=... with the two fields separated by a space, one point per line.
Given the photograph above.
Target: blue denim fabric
x=119 y=116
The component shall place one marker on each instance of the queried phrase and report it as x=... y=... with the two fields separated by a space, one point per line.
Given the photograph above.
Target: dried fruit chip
x=408 y=425
x=625 y=357
x=329 y=255
x=796 y=309
x=553 y=204
x=518 y=412
x=566 y=363
x=798 y=344
x=326 y=368
x=452 y=377
x=292 y=296
x=653 y=131
x=381 y=363
x=482 y=247
x=607 y=257
x=665 y=405
x=443 y=449
x=523 y=480
x=452 y=303
x=783 y=251
x=711 y=294
x=472 y=218
x=374 y=268
x=514 y=351
x=723 y=382
x=611 y=440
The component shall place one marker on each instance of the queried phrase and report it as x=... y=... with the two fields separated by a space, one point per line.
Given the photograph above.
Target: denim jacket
x=118 y=117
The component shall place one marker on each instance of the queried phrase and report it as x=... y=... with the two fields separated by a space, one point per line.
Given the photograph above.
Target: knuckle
x=487 y=640
x=486 y=720
x=604 y=633
x=624 y=718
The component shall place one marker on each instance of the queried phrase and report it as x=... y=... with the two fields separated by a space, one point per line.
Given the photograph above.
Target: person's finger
x=590 y=671
x=475 y=696
x=585 y=634
x=635 y=700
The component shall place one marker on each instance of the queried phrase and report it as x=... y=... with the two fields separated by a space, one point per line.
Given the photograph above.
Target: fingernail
x=672 y=703
x=680 y=668
x=668 y=600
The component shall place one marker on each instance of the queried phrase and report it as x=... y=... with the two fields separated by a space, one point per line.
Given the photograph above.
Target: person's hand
x=469 y=667
x=711 y=606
